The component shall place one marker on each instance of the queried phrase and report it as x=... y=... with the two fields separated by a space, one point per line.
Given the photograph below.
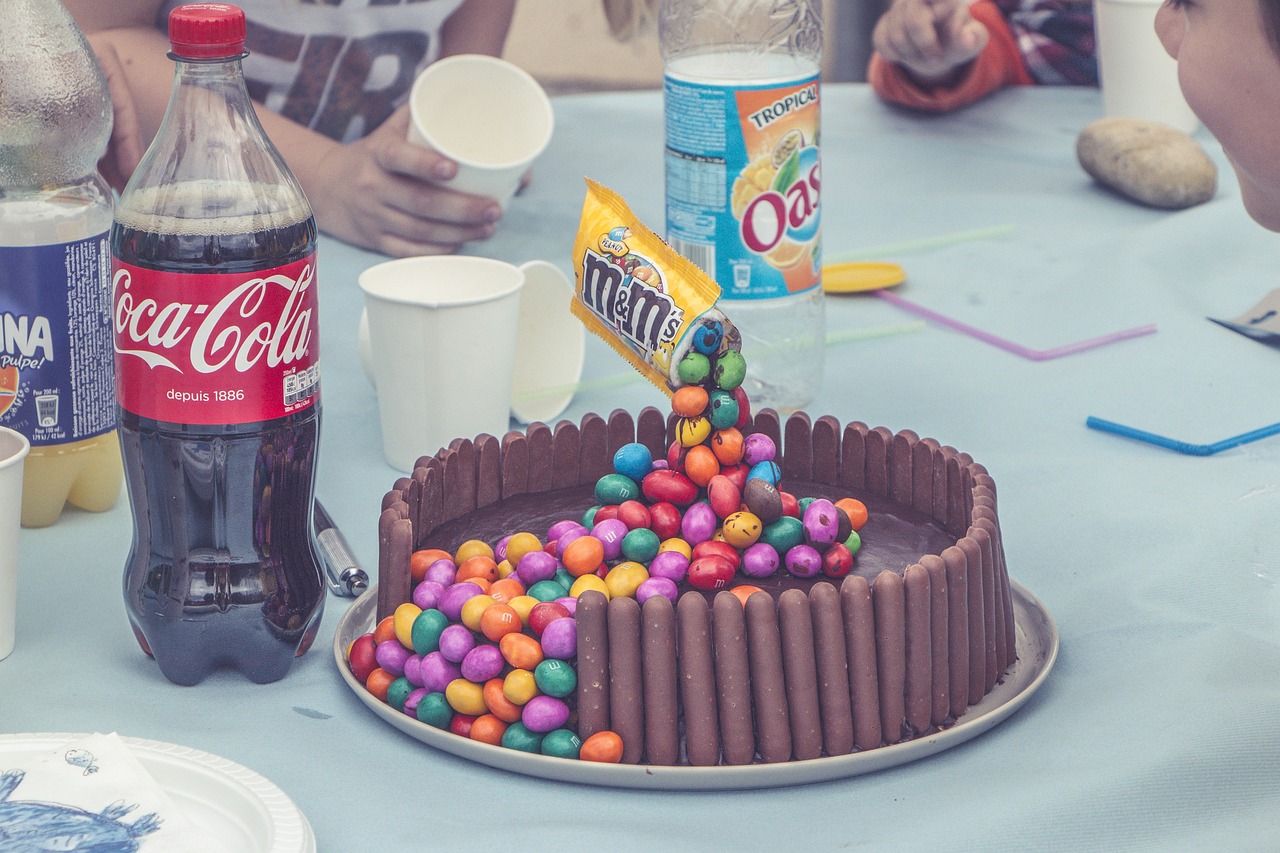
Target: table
x=1156 y=728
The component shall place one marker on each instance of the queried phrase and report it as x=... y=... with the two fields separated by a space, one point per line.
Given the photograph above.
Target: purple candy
x=427 y=594
x=821 y=524
x=610 y=533
x=442 y=571
x=411 y=701
x=560 y=639
x=671 y=565
x=563 y=540
x=562 y=527
x=660 y=465
x=699 y=523
x=570 y=603
x=757 y=448
x=544 y=714
x=760 y=560
x=536 y=566
x=391 y=657
x=482 y=663
x=413 y=670
x=500 y=550
x=437 y=672
x=804 y=561
x=456 y=641
x=657 y=586
x=452 y=599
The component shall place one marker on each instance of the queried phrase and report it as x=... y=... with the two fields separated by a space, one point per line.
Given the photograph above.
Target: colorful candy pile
x=487 y=646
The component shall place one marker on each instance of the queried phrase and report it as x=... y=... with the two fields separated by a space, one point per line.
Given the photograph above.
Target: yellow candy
x=472 y=548
x=466 y=697
x=521 y=544
x=402 y=620
x=522 y=604
x=588 y=582
x=742 y=529
x=691 y=432
x=675 y=543
x=474 y=607
x=519 y=686
x=624 y=579
x=505 y=568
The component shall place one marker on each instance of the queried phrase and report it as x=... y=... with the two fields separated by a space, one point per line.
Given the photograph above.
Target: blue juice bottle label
x=744 y=181
x=56 y=368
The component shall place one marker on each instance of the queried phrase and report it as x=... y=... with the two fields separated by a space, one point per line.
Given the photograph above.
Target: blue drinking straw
x=1181 y=446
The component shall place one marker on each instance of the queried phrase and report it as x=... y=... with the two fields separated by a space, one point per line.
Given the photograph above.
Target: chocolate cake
x=921 y=628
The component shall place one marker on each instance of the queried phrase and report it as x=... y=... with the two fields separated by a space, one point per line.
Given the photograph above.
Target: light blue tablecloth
x=1155 y=730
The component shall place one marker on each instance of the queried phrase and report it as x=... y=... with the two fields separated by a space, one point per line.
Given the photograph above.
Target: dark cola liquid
x=222 y=570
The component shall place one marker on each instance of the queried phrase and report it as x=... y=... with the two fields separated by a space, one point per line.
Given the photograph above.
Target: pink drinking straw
x=1011 y=346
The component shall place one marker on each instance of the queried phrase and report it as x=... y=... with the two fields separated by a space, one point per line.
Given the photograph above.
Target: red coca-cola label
x=216 y=348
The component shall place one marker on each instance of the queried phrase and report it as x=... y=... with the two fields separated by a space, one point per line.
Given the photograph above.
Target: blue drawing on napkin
x=35 y=827
x=1261 y=322
x=82 y=758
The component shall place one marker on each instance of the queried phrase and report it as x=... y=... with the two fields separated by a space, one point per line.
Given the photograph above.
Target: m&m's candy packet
x=651 y=304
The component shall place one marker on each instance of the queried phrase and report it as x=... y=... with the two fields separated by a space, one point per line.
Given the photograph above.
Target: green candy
x=731 y=369
x=784 y=534
x=563 y=578
x=518 y=736
x=398 y=692
x=613 y=489
x=724 y=409
x=547 y=591
x=426 y=630
x=694 y=368
x=589 y=517
x=640 y=545
x=853 y=543
x=804 y=504
x=555 y=678
x=561 y=743
x=434 y=710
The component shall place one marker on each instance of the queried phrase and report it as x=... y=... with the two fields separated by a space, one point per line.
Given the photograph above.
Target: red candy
x=361 y=657
x=664 y=519
x=461 y=724
x=544 y=613
x=715 y=547
x=633 y=514
x=737 y=473
x=605 y=513
x=724 y=496
x=669 y=486
x=710 y=573
x=790 y=506
x=837 y=561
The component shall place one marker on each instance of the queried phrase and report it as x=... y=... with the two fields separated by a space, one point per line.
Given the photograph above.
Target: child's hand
x=931 y=39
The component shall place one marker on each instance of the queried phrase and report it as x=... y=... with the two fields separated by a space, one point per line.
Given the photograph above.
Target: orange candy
x=499 y=705
x=521 y=651
x=584 y=555
x=479 y=566
x=689 y=401
x=604 y=747
x=379 y=682
x=488 y=729
x=855 y=509
x=727 y=445
x=744 y=591
x=499 y=620
x=385 y=632
x=700 y=464
x=420 y=561
x=506 y=589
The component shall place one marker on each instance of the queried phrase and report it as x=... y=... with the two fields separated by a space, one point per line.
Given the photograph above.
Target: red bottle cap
x=207 y=31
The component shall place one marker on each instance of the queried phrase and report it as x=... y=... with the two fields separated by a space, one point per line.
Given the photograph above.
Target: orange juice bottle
x=56 y=385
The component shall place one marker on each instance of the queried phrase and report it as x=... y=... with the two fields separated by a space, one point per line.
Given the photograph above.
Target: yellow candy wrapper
x=644 y=298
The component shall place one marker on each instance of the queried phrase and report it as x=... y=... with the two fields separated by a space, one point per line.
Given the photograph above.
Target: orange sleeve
x=1000 y=64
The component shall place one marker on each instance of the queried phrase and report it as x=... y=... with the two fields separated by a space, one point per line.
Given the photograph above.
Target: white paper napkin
x=92 y=792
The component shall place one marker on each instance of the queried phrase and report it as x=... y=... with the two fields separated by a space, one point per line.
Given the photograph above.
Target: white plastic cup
x=1138 y=77
x=13 y=450
x=485 y=114
x=442 y=335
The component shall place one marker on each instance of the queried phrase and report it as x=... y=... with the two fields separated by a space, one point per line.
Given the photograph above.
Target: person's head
x=1228 y=54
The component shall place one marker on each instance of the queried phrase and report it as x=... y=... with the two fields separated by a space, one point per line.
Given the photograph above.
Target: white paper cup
x=487 y=115
x=550 y=347
x=13 y=450
x=442 y=334
x=1138 y=77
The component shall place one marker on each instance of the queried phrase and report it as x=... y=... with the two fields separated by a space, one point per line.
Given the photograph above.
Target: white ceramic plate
x=240 y=809
x=1037 y=642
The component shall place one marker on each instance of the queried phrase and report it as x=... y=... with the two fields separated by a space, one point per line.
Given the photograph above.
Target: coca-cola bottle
x=216 y=364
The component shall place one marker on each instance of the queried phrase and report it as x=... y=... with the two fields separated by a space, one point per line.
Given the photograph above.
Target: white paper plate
x=1037 y=643
x=239 y=808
